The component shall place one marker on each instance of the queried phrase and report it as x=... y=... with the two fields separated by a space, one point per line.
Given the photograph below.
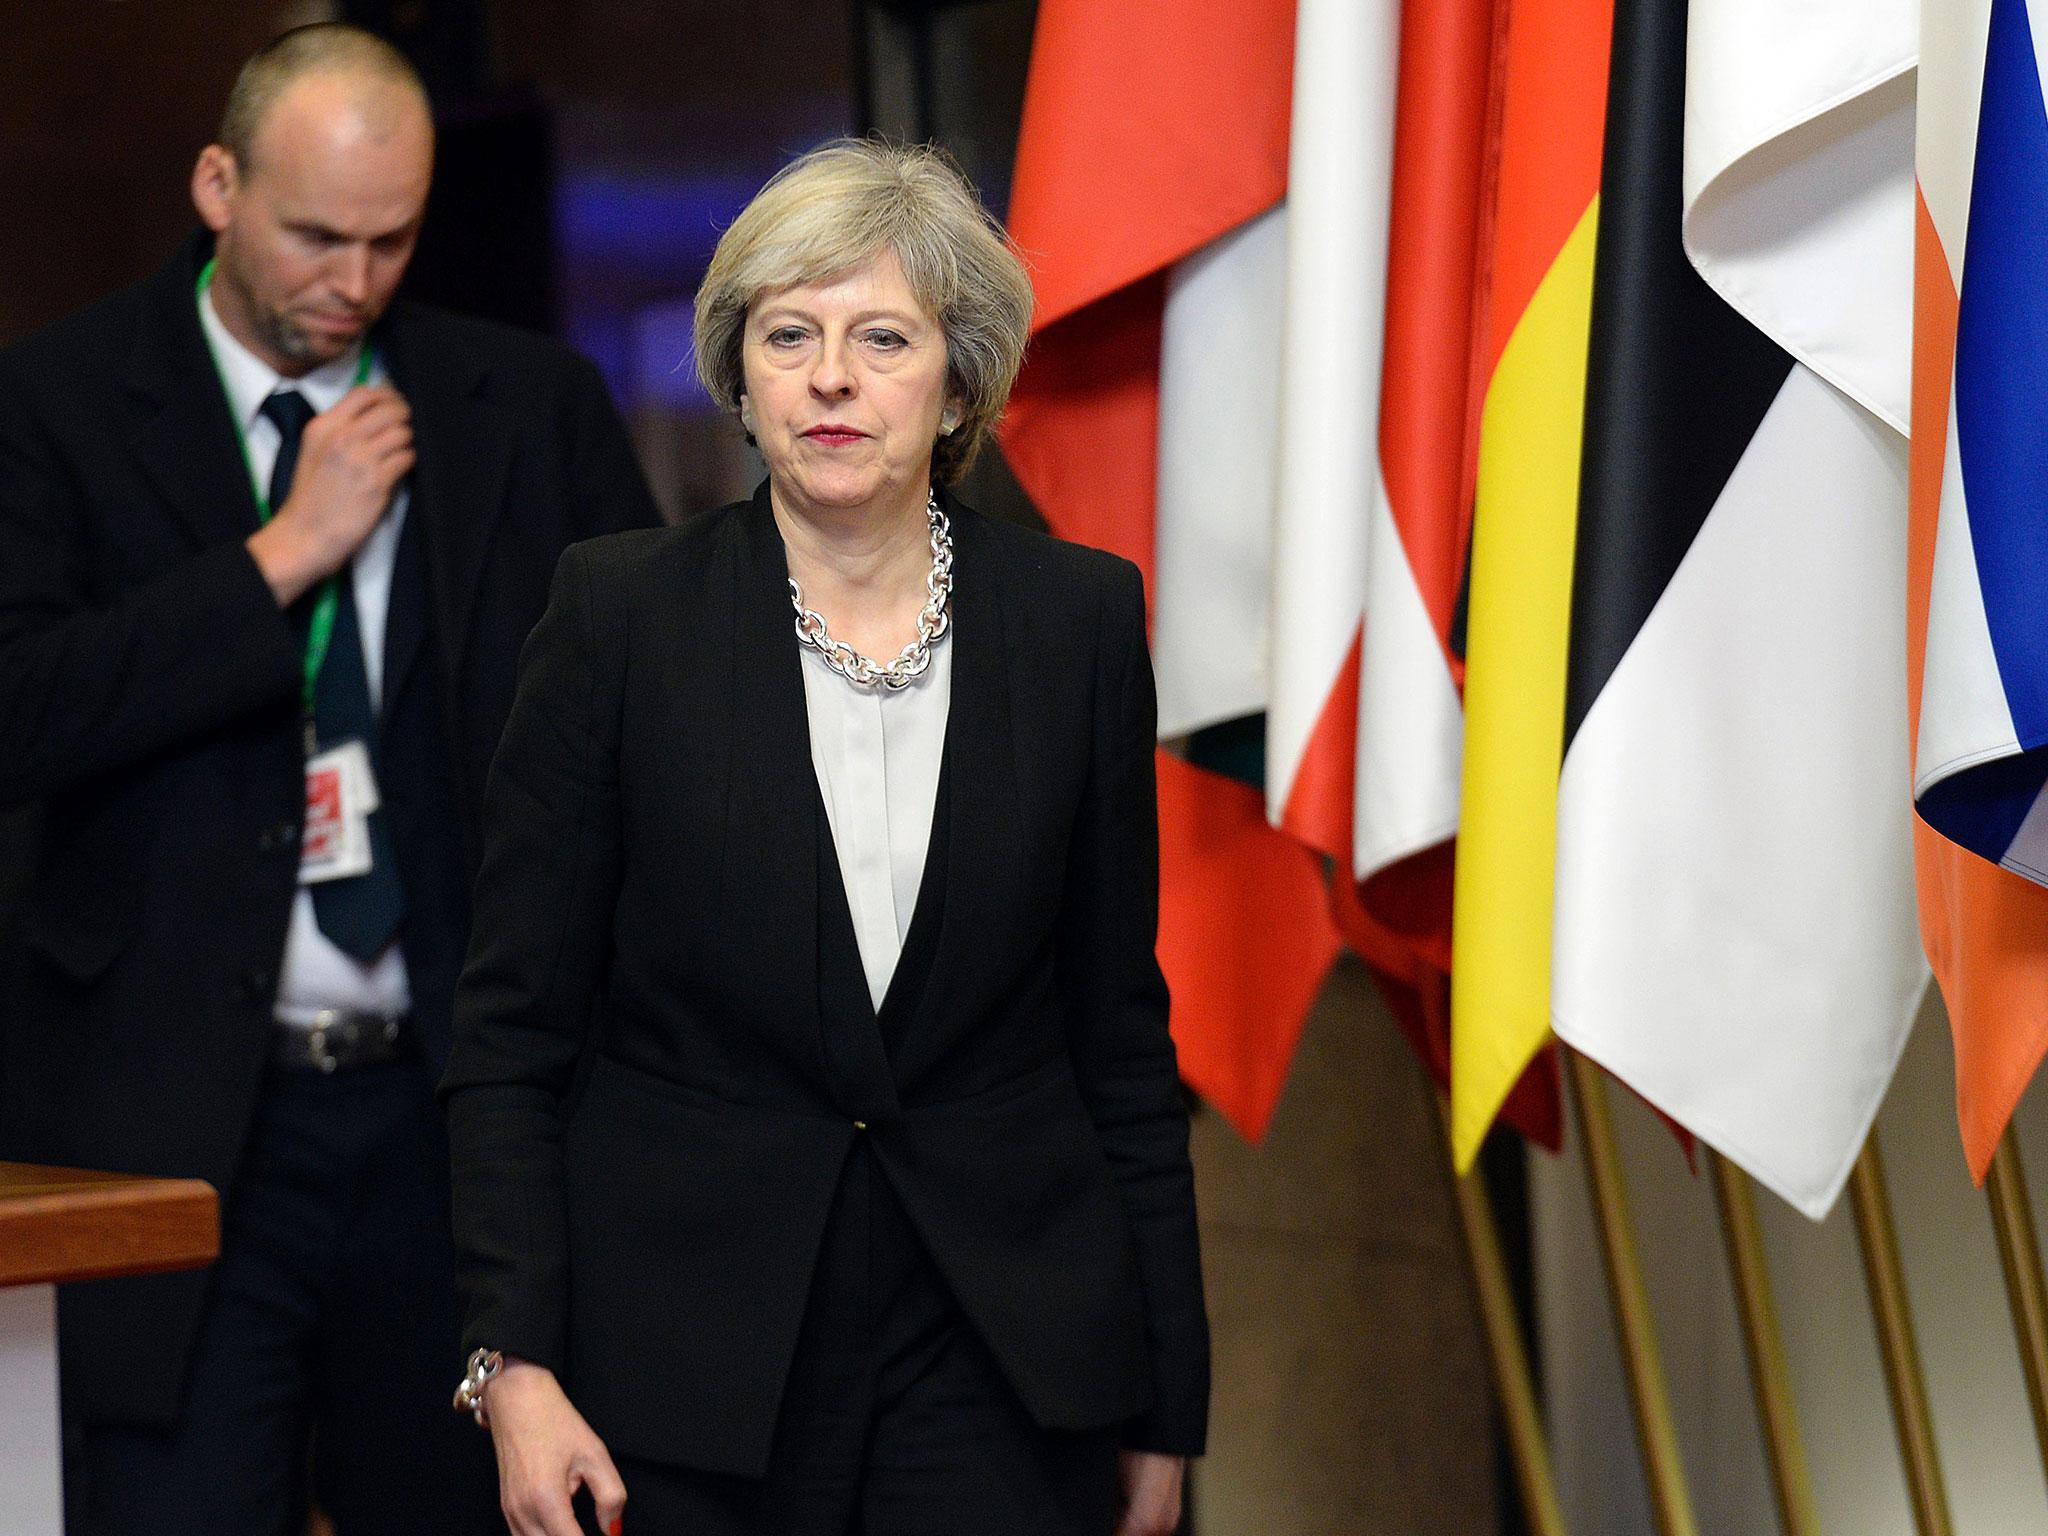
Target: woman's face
x=846 y=388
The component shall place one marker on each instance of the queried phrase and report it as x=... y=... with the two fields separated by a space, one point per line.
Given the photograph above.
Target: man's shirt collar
x=250 y=381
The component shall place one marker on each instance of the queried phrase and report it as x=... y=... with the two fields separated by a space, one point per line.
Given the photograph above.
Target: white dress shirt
x=877 y=753
x=315 y=974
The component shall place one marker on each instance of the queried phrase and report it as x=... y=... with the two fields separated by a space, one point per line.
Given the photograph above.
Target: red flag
x=1150 y=131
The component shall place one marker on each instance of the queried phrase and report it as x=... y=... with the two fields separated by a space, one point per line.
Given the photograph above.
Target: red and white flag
x=1242 y=220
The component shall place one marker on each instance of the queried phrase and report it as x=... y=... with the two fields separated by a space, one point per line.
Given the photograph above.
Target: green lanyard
x=320 y=634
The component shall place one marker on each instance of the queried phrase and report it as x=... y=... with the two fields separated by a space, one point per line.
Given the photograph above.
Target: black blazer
x=648 y=910
x=150 y=696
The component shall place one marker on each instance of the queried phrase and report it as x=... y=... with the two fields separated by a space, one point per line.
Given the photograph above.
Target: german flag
x=1524 y=528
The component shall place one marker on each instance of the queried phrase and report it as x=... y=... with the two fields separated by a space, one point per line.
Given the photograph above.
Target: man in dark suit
x=269 y=545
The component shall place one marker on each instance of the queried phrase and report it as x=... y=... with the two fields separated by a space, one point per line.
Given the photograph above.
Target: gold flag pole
x=2012 y=1218
x=1893 y=1314
x=1777 y=1415
x=1663 y=1469
x=1514 y=1383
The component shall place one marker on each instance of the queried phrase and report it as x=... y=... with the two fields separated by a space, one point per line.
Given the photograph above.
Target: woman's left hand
x=1151 y=1483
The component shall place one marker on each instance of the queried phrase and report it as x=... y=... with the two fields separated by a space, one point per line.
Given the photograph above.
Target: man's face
x=314 y=235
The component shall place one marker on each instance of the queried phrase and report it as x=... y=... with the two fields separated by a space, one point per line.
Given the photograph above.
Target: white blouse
x=877 y=752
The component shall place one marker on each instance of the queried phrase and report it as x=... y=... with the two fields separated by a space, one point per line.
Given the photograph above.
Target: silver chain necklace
x=932 y=620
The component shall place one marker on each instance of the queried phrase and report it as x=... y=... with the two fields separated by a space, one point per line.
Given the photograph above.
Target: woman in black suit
x=820 y=1164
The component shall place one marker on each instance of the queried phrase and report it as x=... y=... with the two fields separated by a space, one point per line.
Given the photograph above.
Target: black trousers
x=330 y=1345
x=896 y=1421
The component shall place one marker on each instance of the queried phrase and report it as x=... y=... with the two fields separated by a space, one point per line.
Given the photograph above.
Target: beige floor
x=1351 y=1396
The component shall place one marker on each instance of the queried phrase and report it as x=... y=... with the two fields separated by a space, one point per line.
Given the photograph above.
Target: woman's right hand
x=545 y=1453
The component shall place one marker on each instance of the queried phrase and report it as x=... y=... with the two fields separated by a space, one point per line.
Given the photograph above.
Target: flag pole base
x=2012 y=1218
x=1514 y=1383
x=1770 y=1377
x=1663 y=1469
x=1892 y=1313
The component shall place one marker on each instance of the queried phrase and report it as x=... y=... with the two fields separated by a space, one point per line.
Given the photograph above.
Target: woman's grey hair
x=837 y=208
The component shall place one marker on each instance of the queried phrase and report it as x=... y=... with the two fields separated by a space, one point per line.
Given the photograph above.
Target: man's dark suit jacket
x=652 y=867
x=150 y=696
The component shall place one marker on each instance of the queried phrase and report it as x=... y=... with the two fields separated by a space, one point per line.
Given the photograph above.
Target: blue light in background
x=646 y=221
x=604 y=339
x=632 y=246
x=663 y=368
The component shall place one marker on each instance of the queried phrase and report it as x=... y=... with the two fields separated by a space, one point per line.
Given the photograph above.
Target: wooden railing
x=59 y=1225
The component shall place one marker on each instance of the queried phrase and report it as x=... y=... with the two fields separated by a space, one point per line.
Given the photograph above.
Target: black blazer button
x=255 y=982
x=283 y=835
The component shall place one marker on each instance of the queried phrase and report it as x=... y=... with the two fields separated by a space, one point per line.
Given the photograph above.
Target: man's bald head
x=378 y=78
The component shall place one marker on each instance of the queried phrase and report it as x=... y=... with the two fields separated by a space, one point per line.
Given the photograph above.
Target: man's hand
x=350 y=460
x=1151 y=1487
x=545 y=1453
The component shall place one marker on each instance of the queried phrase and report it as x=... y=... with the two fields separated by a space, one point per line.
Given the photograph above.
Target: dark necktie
x=360 y=914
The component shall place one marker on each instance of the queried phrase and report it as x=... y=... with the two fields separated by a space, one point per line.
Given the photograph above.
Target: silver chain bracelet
x=469 y=1396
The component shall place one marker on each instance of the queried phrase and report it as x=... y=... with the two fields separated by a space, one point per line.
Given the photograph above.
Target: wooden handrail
x=64 y=1224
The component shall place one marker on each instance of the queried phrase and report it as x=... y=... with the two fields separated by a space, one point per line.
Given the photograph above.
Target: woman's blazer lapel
x=981 y=769
x=770 y=877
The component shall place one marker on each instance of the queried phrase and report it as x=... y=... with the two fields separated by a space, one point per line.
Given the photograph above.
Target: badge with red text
x=341 y=792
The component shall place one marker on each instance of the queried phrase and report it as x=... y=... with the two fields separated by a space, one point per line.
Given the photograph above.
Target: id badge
x=341 y=792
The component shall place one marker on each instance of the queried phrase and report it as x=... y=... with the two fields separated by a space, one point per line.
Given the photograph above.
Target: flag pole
x=1663 y=1469
x=1770 y=1377
x=1893 y=1314
x=2012 y=1218
x=1514 y=1382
